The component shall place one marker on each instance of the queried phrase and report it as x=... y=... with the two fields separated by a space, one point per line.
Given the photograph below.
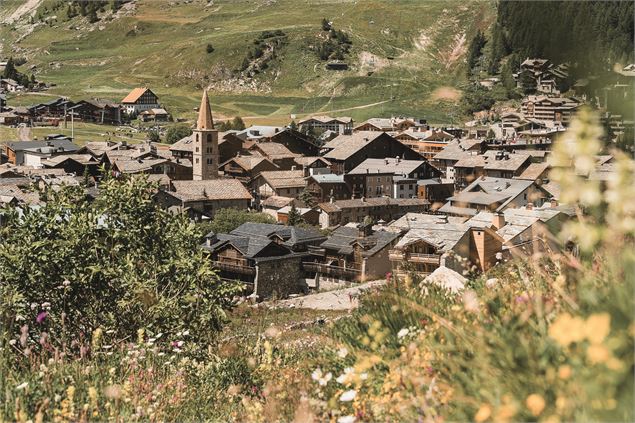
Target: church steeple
x=205 y=155
x=205 y=120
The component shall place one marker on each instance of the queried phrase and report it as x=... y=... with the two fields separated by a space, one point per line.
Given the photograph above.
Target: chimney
x=554 y=203
x=498 y=220
x=363 y=199
x=332 y=200
x=238 y=154
x=386 y=160
x=293 y=167
x=367 y=170
x=529 y=206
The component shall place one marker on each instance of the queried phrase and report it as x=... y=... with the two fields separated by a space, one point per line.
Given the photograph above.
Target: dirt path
x=341 y=299
x=363 y=106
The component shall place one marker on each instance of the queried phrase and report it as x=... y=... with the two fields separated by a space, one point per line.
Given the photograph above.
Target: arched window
x=197 y=138
x=209 y=137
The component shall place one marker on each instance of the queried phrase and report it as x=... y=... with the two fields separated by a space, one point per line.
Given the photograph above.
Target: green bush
x=120 y=264
x=176 y=132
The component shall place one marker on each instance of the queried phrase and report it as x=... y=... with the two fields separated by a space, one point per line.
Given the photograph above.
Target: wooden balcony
x=235 y=268
x=400 y=255
x=334 y=271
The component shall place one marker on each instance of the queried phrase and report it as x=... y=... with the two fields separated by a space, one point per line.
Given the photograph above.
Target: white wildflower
x=346 y=419
x=348 y=395
x=21 y=386
x=342 y=352
x=403 y=333
x=346 y=377
x=12 y=342
x=320 y=378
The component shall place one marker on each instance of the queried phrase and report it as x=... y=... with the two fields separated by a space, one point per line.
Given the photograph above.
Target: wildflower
x=567 y=329
x=272 y=332
x=470 y=301
x=346 y=419
x=564 y=372
x=403 y=333
x=321 y=379
x=96 y=341
x=46 y=305
x=597 y=327
x=598 y=354
x=342 y=352
x=535 y=403
x=348 y=395
x=41 y=316
x=346 y=377
x=33 y=306
x=66 y=282
x=483 y=413
x=21 y=386
x=12 y=342
x=92 y=394
x=491 y=283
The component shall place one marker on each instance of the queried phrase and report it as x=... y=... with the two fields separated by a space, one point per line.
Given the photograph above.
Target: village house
x=320 y=124
x=75 y=164
x=494 y=163
x=352 y=253
x=308 y=215
x=17 y=153
x=376 y=177
x=435 y=190
x=154 y=115
x=229 y=145
x=271 y=205
x=266 y=258
x=96 y=110
x=3 y=102
x=556 y=109
x=206 y=197
x=313 y=165
x=494 y=194
x=378 y=209
x=283 y=183
x=346 y=152
x=247 y=168
x=10 y=85
x=139 y=100
x=438 y=241
x=177 y=169
x=455 y=151
x=280 y=155
x=525 y=230
x=323 y=187
x=296 y=142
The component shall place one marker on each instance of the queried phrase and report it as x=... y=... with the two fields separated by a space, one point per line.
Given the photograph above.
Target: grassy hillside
x=406 y=56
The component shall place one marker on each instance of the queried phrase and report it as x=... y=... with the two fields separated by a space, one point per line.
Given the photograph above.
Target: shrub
x=120 y=264
x=209 y=48
x=226 y=220
x=177 y=132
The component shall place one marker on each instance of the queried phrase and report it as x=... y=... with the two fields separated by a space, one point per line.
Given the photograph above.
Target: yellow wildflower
x=598 y=327
x=535 y=403
x=598 y=354
x=564 y=372
x=483 y=413
x=567 y=329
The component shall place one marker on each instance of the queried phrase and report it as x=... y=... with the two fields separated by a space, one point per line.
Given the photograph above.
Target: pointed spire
x=205 y=114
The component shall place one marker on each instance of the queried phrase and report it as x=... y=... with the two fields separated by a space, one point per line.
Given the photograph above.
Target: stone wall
x=279 y=278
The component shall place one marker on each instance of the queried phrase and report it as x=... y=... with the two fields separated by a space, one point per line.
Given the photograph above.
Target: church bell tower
x=205 y=142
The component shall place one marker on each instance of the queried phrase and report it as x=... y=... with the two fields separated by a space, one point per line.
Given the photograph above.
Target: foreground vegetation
x=544 y=338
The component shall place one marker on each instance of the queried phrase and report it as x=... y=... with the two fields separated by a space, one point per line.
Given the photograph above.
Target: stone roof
x=340 y=205
x=516 y=220
x=510 y=162
x=63 y=144
x=387 y=165
x=84 y=159
x=249 y=162
x=534 y=171
x=284 y=178
x=213 y=189
x=125 y=165
x=328 y=178
x=274 y=150
x=344 y=146
x=327 y=119
x=309 y=160
x=343 y=239
x=277 y=201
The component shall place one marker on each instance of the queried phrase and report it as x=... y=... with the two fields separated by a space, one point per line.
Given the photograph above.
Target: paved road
x=341 y=299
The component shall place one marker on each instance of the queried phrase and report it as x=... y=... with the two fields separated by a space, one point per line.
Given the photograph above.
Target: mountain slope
x=406 y=56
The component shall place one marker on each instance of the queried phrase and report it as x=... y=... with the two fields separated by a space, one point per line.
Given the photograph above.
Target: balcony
x=235 y=268
x=333 y=271
x=400 y=255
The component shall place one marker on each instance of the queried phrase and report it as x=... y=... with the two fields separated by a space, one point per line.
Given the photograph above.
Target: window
x=378 y=179
x=197 y=160
x=209 y=137
x=197 y=138
x=401 y=188
x=197 y=149
x=209 y=161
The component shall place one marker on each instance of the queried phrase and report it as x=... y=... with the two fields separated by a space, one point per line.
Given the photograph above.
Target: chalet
x=206 y=197
x=375 y=125
x=346 y=152
x=283 y=183
x=375 y=177
x=435 y=191
x=259 y=132
x=423 y=143
x=9 y=118
x=453 y=152
x=556 y=109
x=10 y=85
x=352 y=253
x=96 y=110
x=505 y=165
x=16 y=152
x=323 y=187
x=313 y=165
x=296 y=142
x=438 y=241
x=320 y=124
x=57 y=108
x=154 y=115
x=177 y=169
x=75 y=164
x=525 y=230
x=308 y=214
x=266 y=258
x=341 y=212
x=280 y=155
x=494 y=194
x=139 y=100
x=247 y=168
x=271 y=205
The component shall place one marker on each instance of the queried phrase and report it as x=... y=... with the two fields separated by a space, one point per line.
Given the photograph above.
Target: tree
x=177 y=132
x=293 y=126
x=294 y=216
x=527 y=82
x=119 y=263
x=475 y=50
x=209 y=48
x=86 y=177
x=326 y=25
x=153 y=135
x=10 y=72
x=226 y=220
x=307 y=198
x=92 y=15
x=238 y=124
x=490 y=134
x=476 y=98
